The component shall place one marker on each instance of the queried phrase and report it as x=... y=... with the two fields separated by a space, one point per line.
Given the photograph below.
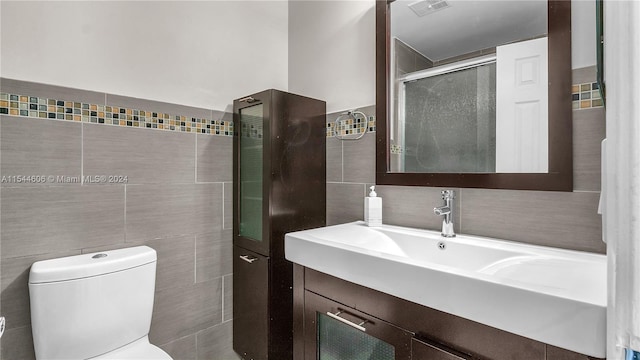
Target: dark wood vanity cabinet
x=335 y=331
x=413 y=331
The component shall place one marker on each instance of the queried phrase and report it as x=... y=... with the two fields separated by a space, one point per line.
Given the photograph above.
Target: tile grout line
x=195 y=259
x=125 y=213
x=341 y=161
x=195 y=175
x=223 y=206
x=81 y=154
x=222 y=304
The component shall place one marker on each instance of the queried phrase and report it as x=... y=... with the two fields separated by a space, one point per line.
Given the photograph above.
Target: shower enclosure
x=447 y=121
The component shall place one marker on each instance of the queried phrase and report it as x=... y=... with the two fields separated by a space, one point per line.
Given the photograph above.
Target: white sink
x=551 y=295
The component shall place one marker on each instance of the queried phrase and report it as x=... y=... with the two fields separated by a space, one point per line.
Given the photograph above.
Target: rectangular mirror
x=474 y=93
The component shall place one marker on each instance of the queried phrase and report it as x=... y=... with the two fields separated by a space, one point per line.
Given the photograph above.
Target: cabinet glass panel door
x=251 y=147
x=335 y=332
x=338 y=341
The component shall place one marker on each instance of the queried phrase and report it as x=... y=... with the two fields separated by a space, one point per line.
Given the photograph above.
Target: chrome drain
x=442 y=245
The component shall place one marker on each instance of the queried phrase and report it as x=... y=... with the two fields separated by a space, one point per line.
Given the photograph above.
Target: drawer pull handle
x=345 y=321
x=248 y=258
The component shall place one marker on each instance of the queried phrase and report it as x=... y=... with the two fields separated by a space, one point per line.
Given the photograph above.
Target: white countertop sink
x=552 y=295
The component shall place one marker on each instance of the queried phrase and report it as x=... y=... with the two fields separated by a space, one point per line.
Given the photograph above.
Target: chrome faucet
x=447 y=212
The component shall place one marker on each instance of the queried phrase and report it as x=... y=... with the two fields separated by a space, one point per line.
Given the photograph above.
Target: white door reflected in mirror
x=522 y=131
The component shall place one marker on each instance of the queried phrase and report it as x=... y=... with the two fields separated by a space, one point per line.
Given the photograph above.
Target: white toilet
x=94 y=306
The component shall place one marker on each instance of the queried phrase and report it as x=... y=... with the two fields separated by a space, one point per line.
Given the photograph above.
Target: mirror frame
x=560 y=175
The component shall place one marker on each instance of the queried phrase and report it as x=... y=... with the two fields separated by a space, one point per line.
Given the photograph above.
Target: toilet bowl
x=94 y=306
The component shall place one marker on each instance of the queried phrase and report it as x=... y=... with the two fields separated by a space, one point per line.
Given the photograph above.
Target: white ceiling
x=467 y=25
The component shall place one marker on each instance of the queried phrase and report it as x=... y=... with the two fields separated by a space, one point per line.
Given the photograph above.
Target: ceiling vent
x=426 y=7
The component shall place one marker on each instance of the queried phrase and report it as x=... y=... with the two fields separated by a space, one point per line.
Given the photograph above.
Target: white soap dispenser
x=373 y=208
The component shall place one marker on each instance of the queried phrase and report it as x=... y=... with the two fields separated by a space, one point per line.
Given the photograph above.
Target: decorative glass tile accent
x=31 y=106
x=583 y=96
x=586 y=96
x=350 y=126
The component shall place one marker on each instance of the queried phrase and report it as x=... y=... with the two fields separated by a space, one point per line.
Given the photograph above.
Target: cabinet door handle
x=343 y=320
x=248 y=99
x=248 y=258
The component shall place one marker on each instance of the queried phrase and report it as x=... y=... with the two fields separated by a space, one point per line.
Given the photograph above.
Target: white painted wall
x=198 y=53
x=583 y=33
x=332 y=49
x=206 y=53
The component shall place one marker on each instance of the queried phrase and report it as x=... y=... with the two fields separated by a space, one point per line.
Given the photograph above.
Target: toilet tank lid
x=88 y=265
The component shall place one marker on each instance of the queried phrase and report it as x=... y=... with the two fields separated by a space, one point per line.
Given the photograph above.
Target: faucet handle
x=448 y=194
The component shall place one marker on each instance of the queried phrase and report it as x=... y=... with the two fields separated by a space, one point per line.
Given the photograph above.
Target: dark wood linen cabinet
x=279 y=186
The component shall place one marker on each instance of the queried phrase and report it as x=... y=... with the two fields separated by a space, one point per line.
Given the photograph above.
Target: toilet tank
x=87 y=305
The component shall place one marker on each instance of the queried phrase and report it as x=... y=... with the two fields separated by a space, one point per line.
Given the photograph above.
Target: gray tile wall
x=177 y=200
x=409 y=60
x=561 y=219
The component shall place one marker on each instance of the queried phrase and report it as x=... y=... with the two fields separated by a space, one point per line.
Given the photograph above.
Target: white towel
x=603 y=187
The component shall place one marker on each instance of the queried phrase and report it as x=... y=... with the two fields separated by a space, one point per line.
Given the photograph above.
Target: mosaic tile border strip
x=351 y=126
x=55 y=109
x=586 y=96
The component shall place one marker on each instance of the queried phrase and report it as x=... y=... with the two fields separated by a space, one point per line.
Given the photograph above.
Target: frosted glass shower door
x=449 y=121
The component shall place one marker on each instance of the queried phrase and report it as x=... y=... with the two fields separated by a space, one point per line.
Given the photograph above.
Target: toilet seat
x=140 y=349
